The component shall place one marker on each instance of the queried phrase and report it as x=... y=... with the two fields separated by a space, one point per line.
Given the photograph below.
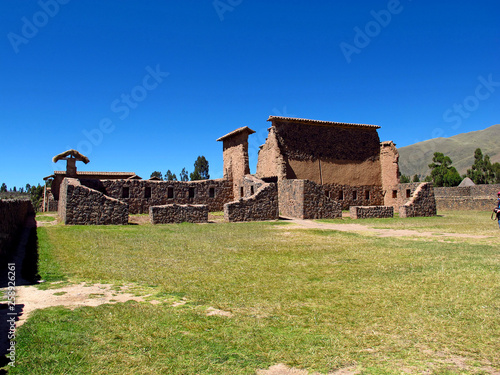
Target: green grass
x=313 y=299
x=467 y=222
x=45 y=218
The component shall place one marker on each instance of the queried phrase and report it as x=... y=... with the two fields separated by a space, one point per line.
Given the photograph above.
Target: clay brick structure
x=175 y=213
x=262 y=205
x=81 y=205
x=422 y=202
x=371 y=212
x=235 y=156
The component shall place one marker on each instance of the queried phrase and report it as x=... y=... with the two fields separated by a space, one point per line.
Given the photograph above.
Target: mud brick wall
x=371 y=212
x=142 y=194
x=81 y=205
x=305 y=199
x=13 y=215
x=479 y=197
x=174 y=213
x=324 y=154
x=422 y=203
x=263 y=205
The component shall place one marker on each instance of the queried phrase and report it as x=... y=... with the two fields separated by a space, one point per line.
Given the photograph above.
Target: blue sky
x=147 y=85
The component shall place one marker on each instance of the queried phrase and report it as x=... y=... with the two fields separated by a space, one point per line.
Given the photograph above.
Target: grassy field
x=319 y=300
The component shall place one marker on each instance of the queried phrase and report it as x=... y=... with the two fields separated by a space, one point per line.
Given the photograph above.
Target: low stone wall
x=479 y=197
x=13 y=215
x=422 y=203
x=263 y=205
x=81 y=205
x=142 y=194
x=305 y=199
x=371 y=212
x=175 y=213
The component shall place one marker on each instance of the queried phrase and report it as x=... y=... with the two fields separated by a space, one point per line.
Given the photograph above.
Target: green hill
x=414 y=159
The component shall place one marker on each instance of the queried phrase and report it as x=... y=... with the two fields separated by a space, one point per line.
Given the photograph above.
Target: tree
x=14 y=189
x=156 y=174
x=169 y=176
x=3 y=188
x=482 y=171
x=496 y=169
x=416 y=178
x=200 y=169
x=442 y=173
x=28 y=188
x=428 y=178
x=404 y=179
x=184 y=175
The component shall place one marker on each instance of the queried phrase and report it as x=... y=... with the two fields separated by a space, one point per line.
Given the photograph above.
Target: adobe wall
x=305 y=199
x=422 y=202
x=13 y=215
x=235 y=158
x=81 y=205
x=322 y=154
x=371 y=212
x=479 y=197
x=174 y=213
x=139 y=202
x=389 y=158
x=262 y=205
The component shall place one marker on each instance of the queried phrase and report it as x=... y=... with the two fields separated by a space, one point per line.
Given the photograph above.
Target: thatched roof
x=70 y=153
x=467 y=182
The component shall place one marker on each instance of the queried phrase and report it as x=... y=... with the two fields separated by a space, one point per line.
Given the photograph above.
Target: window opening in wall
x=242 y=192
x=211 y=192
x=327 y=194
x=394 y=194
x=367 y=195
x=354 y=195
x=251 y=190
x=192 y=192
x=170 y=192
x=147 y=192
x=341 y=195
x=125 y=192
x=408 y=193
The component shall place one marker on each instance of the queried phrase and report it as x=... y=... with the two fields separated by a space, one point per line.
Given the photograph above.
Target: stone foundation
x=174 y=213
x=371 y=212
x=81 y=205
x=262 y=205
x=422 y=203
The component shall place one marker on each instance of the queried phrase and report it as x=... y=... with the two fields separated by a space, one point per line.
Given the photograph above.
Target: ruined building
x=306 y=169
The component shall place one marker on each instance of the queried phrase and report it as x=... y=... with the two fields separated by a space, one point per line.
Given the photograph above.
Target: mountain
x=414 y=159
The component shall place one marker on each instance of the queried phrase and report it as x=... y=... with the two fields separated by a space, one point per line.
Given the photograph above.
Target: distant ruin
x=306 y=169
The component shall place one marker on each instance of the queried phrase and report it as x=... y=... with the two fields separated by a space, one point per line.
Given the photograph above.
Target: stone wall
x=81 y=205
x=263 y=205
x=13 y=215
x=142 y=194
x=305 y=199
x=422 y=203
x=174 y=213
x=398 y=195
x=479 y=197
x=371 y=212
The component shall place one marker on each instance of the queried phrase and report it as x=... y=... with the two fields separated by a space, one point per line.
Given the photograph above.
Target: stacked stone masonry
x=371 y=212
x=305 y=199
x=479 y=197
x=262 y=205
x=422 y=203
x=81 y=205
x=13 y=215
x=174 y=213
x=142 y=194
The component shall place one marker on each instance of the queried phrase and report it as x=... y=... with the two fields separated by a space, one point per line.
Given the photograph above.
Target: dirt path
x=310 y=224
